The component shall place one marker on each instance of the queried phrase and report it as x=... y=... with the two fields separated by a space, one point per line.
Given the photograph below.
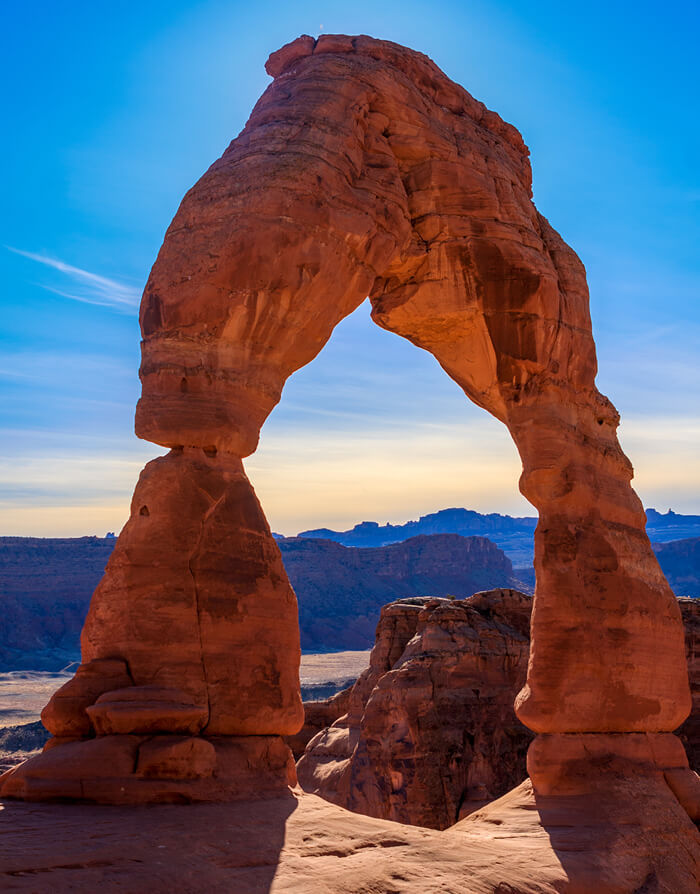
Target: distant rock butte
x=680 y=561
x=46 y=584
x=363 y=170
x=513 y=535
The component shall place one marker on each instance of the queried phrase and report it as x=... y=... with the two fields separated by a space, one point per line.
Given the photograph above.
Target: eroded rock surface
x=364 y=170
x=430 y=733
x=192 y=631
x=521 y=844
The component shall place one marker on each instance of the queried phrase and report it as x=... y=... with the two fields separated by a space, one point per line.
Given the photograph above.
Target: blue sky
x=114 y=110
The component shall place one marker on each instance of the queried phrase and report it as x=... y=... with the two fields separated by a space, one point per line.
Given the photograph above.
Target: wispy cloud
x=90 y=288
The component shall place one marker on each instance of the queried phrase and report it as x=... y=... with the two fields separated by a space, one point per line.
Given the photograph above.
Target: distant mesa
x=514 y=535
x=47 y=584
x=341 y=589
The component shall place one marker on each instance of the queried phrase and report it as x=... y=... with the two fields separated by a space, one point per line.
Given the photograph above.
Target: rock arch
x=362 y=170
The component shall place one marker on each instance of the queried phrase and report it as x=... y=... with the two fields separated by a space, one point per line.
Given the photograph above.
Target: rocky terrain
x=515 y=536
x=19 y=743
x=428 y=733
x=341 y=589
x=363 y=170
x=300 y=843
x=45 y=589
x=689 y=733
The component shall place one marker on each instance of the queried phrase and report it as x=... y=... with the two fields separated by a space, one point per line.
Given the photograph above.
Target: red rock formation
x=364 y=170
x=192 y=631
x=430 y=734
x=368 y=171
x=302 y=844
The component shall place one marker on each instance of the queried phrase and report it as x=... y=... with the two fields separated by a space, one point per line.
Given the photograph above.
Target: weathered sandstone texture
x=435 y=737
x=364 y=170
x=430 y=751
x=192 y=632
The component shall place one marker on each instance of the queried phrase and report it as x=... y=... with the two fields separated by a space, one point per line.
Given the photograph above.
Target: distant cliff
x=512 y=535
x=341 y=589
x=46 y=585
x=680 y=562
x=45 y=589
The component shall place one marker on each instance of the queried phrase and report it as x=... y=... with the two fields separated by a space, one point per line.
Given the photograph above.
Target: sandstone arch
x=362 y=170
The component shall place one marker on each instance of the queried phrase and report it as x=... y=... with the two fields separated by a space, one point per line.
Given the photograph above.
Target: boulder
x=66 y=713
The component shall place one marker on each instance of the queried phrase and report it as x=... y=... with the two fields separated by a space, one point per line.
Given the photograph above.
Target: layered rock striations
x=364 y=170
x=429 y=733
x=388 y=748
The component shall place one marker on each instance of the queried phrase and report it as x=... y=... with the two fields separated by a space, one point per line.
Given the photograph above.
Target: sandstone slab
x=126 y=769
x=299 y=843
x=146 y=709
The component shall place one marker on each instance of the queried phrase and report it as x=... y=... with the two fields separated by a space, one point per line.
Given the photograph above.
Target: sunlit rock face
x=363 y=170
x=427 y=734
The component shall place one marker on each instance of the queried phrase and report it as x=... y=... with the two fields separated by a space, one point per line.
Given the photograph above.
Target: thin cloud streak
x=98 y=290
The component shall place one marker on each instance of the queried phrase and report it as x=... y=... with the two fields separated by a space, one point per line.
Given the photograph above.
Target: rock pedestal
x=363 y=170
x=190 y=673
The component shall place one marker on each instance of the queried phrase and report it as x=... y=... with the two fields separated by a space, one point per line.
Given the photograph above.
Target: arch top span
x=362 y=170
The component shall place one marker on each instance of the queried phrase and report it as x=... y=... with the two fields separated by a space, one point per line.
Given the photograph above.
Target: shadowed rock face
x=364 y=170
x=341 y=590
x=690 y=731
x=428 y=733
